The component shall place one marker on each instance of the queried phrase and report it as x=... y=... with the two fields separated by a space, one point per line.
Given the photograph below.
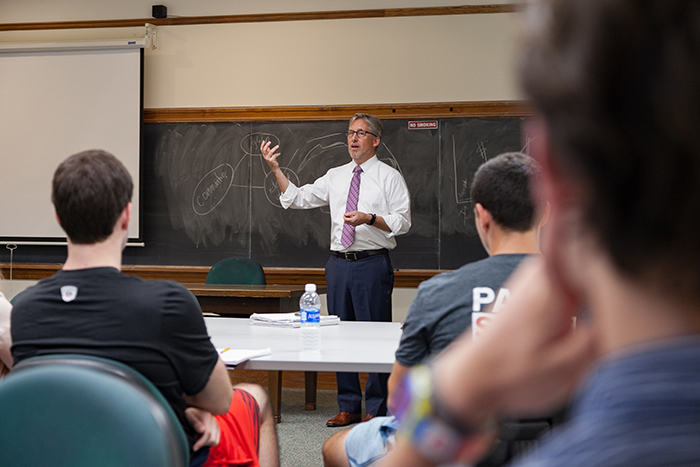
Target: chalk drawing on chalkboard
x=212 y=189
x=528 y=139
x=462 y=183
x=309 y=161
x=219 y=189
x=272 y=189
x=390 y=159
x=317 y=150
x=332 y=135
x=251 y=142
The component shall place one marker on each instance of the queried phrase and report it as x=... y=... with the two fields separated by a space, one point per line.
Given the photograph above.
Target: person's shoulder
x=29 y=294
x=131 y=282
x=496 y=267
x=464 y=273
x=164 y=287
x=495 y=261
x=163 y=297
x=341 y=168
x=511 y=260
x=443 y=293
x=447 y=279
x=134 y=285
x=387 y=169
x=459 y=273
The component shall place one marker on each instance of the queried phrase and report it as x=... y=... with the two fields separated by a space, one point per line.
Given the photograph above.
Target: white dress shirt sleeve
x=309 y=196
x=399 y=217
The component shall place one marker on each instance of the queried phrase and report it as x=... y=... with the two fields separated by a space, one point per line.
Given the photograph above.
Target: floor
x=302 y=432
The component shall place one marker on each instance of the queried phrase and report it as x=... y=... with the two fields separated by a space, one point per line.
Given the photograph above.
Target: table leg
x=310 y=379
x=274 y=390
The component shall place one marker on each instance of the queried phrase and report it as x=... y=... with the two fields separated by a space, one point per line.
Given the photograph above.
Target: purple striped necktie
x=347 y=237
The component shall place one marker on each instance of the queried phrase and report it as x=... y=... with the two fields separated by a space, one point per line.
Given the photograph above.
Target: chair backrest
x=73 y=410
x=12 y=300
x=242 y=271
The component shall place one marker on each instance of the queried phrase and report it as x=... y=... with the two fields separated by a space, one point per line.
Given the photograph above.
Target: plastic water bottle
x=310 y=308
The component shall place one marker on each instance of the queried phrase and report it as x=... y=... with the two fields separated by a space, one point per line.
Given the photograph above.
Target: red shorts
x=239 y=444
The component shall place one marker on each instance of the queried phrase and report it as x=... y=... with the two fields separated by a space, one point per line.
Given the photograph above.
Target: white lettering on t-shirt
x=503 y=294
x=482 y=296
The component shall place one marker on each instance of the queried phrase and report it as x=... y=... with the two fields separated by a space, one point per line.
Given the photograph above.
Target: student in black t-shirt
x=89 y=307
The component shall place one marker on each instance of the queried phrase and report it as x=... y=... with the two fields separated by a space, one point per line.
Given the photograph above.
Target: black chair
x=518 y=437
x=75 y=411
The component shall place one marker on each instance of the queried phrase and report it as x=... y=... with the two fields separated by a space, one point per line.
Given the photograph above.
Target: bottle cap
x=310 y=288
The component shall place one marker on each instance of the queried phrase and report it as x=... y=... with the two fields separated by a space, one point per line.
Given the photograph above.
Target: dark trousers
x=361 y=291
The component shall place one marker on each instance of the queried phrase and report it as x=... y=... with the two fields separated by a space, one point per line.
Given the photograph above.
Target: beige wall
x=326 y=62
x=378 y=60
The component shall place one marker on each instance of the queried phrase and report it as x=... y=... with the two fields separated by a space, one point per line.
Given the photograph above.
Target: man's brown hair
x=89 y=192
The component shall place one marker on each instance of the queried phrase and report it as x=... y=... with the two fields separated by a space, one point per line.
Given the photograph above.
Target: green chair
x=241 y=271
x=75 y=411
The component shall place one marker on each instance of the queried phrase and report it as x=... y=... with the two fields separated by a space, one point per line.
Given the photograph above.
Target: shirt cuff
x=287 y=198
x=395 y=224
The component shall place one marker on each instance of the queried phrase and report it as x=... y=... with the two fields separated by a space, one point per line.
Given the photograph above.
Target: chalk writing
x=251 y=143
x=272 y=189
x=212 y=189
x=216 y=195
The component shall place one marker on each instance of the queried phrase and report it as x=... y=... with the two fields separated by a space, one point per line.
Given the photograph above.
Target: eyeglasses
x=360 y=133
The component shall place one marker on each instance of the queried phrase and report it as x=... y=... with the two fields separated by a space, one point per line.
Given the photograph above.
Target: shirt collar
x=368 y=164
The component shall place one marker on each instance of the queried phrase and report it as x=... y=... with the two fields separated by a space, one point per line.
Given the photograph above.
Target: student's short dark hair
x=503 y=186
x=89 y=192
x=618 y=83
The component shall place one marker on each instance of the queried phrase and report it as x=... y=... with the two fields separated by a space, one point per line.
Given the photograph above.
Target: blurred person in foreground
x=616 y=88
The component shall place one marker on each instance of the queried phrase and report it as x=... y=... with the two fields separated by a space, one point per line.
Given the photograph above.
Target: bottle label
x=310 y=316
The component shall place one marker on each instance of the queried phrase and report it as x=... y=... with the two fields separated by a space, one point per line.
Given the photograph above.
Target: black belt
x=355 y=255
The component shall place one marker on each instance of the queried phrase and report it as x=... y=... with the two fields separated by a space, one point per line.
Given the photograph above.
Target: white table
x=349 y=346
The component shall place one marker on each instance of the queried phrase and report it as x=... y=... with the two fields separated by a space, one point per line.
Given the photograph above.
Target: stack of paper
x=287 y=320
x=238 y=356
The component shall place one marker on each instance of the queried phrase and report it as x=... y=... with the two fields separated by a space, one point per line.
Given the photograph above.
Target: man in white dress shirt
x=370 y=205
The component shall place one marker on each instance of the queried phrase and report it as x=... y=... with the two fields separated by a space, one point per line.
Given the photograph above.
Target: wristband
x=371 y=221
x=425 y=424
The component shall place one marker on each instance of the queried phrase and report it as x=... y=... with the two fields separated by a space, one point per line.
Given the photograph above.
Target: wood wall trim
x=288 y=276
x=267 y=17
x=338 y=112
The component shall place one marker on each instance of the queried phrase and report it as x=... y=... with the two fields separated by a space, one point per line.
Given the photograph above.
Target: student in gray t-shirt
x=509 y=230
x=443 y=306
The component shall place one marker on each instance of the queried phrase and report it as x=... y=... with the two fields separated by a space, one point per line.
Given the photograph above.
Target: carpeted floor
x=302 y=432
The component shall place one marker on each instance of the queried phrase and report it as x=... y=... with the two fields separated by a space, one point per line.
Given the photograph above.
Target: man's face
x=361 y=149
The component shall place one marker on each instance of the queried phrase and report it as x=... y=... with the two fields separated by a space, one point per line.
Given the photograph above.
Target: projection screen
x=54 y=104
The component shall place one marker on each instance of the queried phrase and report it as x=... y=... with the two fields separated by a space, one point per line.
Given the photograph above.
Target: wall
x=448 y=58
x=451 y=58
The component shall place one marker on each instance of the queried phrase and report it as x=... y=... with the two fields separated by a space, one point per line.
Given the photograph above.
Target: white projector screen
x=52 y=105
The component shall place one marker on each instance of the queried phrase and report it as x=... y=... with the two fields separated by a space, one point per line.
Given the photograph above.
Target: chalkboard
x=207 y=193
